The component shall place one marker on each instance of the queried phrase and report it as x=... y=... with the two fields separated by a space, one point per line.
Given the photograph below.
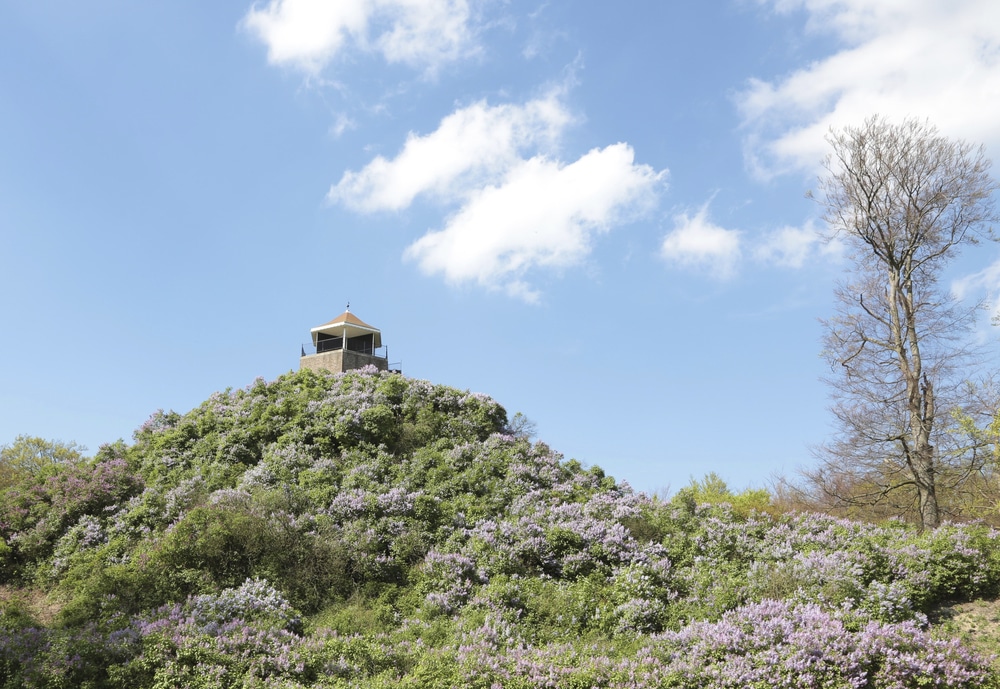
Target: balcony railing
x=326 y=346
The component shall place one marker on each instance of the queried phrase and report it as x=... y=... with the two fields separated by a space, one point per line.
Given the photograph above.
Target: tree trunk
x=923 y=457
x=930 y=517
x=919 y=398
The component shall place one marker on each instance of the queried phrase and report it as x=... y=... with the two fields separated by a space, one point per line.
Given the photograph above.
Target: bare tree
x=904 y=200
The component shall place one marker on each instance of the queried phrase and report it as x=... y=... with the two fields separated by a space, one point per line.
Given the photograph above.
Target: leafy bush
x=37 y=510
x=424 y=546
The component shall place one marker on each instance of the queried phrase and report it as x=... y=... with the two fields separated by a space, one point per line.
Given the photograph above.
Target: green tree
x=29 y=455
x=713 y=490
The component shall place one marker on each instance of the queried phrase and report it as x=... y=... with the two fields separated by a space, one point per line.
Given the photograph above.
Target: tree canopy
x=29 y=455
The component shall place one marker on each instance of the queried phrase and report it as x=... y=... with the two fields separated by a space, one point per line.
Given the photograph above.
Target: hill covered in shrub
x=370 y=530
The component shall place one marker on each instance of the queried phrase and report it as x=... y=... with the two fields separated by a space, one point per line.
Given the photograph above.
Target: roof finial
x=348 y=306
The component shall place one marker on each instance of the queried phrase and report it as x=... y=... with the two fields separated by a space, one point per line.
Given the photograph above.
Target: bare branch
x=905 y=200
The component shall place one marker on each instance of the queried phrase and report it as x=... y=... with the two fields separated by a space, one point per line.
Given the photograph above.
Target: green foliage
x=40 y=508
x=360 y=613
x=712 y=490
x=15 y=610
x=425 y=544
x=29 y=456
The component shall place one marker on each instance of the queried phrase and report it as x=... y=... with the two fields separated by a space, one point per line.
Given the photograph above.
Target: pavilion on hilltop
x=344 y=344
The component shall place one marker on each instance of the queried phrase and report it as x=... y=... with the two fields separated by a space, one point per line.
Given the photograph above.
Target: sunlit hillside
x=370 y=530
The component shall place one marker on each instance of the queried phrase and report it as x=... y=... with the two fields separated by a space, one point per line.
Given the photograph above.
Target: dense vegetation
x=368 y=530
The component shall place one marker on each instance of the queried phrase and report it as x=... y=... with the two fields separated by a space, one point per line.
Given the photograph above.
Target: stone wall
x=339 y=360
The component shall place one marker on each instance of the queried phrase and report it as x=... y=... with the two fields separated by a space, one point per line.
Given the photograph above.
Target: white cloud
x=308 y=34
x=695 y=242
x=426 y=32
x=787 y=246
x=984 y=285
x=543 y=214
x=473 y=146
x=938 y=59
x=517 y=207
x=342 y=124
x=982 y=289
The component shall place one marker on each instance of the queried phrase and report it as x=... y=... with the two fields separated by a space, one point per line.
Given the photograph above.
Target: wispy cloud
x=309 y=34
x=342 y=124
x=515 y=206
x=789 y=247
x=900 y=58
x=696 y=242
x=982 y=286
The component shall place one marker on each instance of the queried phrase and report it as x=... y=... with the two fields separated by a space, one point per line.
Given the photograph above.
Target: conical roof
x=348 y=318
x=349 y=325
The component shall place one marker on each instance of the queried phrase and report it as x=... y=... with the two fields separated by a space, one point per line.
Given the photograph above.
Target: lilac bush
x=448 y=553
x=890 y=570
x=768 y=644
x=37 y=657
x=447 y=580
x=38 y=511
x=776 y=644
x=640 y=594
x=255 y=599
x=86 y=534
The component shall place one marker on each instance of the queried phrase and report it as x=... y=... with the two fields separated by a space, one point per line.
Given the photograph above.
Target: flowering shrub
x=639 y=595
x=255 y=599
x=218 y=640
x=447 y=553
x=84 y=535
x=776 y=644
x=37 y=511
x=35 y=657
x=769 y=644
x=447 y=580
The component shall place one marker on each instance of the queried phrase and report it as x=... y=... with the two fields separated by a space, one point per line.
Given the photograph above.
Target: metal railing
x=379 y=352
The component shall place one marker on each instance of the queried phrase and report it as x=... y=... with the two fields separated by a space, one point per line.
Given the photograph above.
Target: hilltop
x=370 y=530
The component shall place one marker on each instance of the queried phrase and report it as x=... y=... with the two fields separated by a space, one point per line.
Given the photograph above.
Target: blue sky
x=594 y=212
